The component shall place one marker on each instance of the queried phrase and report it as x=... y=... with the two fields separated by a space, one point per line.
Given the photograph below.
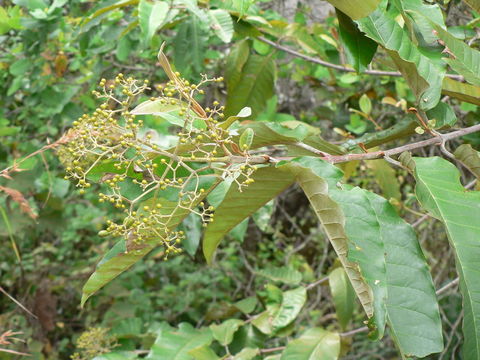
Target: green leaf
x=282 y=274
x=342 y=294
x=246 y=139
x=118 y=262
x=203 y=353
x=443 y=115
x=255 y=86
x=440 y=192
x=277 y=316
x=354 y=8
x=365 y=104
x=470 y=157
x=222 y=24
x=313 y=344
x=236 y=60
x=269 y=133
x=244 y=113
x=151 y=16
x=463 y=59
x=237 y=205
x=386 y=178
x=223 y=333
x=176 y=345
x=358 y=48
x=423 y=76
x=392 y=262
x=246 y=354
x=117 y=355
x=189 y=46
x=312 y=175
x=418 y=17
x=461 y=91
x=246 y=305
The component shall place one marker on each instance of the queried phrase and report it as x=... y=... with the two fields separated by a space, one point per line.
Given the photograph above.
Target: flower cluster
x=153 y=185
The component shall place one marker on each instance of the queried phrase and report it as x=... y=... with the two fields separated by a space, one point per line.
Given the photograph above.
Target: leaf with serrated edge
x=440 y=192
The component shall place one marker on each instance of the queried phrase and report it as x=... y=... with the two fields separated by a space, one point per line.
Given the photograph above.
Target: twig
x=17 y=302
x=335 y=66
x=279 y=348
x=448 y=286
x=318 y=282
x=355 y=331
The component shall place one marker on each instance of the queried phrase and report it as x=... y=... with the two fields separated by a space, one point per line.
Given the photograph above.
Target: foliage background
x=52 y=55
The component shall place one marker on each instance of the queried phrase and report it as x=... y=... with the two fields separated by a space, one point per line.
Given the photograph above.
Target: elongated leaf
x=461 y=91
x=283 y=274
x=342 y=294
x=221 y=22
x=236 y=206
x=236 y=60
x=358 y=48
x=255 y=86
x=356 y=9
x=423 y=76
x=307 y=172
x=440 y=192
x=151 y=17
x=176 y=345
x=470 y=157
x=465 y=60
x=314 y=344
x=189 y=45
x=392 y=262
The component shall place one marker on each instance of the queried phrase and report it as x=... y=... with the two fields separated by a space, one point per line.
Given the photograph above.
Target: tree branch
x=335 y=66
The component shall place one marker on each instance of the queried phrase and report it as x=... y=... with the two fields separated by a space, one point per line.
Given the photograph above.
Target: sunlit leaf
x=356 y=9
x=176 y=345
x=313 y=344
x=223 y=333
x=151 y=17
x=222 y=24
